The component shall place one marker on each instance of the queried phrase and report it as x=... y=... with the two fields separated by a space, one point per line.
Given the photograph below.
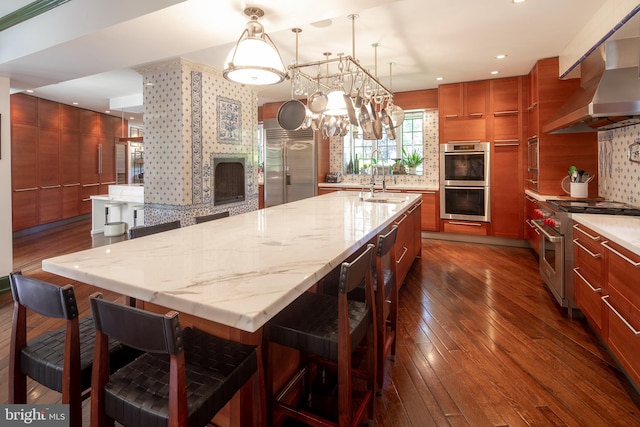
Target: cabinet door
x=475 y=98
x=48 y=158
x=70 y=118
x=430 y=212
x=89 y=122
x=24 y=109
x=506 y=202
x=450 y=100
x=107 y=159
x=24 y=208
x=505 y=94
x=24 y=156
x=48 y=114
x=89 y=173
x=70 y=172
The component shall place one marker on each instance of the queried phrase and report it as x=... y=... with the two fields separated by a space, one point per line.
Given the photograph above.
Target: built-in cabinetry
x=607 y=291
x=408 y=241
x=556 y=152
x=462 y=110
x=61 y=155
x=507 y=153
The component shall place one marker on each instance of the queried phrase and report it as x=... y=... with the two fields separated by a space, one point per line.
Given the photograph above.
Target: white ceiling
x=85 y=50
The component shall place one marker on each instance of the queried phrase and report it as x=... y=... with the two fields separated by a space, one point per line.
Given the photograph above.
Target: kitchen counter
x=238 y=271
x=621 y=229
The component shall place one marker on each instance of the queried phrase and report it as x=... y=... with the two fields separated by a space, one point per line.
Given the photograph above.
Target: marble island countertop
x=378 y=186
x=241 y=270
x=621 y=229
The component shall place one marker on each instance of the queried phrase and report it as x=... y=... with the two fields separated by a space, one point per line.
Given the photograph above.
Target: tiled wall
x=618 y=178
x=182 y=138
x=431 y=159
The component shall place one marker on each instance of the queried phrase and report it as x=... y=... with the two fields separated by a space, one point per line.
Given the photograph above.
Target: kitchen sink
x=385 y=199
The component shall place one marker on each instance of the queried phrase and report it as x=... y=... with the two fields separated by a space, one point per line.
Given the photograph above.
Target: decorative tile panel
x=618 y=178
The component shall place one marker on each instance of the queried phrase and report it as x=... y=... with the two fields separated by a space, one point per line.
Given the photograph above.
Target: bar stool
x=138 y=215
x=328 y=330
x=61 y=359
x=113 y=224
x=184 y=377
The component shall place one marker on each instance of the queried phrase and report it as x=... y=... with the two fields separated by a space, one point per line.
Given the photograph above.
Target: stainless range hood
x=609 y=93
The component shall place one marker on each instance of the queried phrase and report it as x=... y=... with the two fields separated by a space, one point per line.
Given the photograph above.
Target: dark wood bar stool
x=328 y=330
x=184 y=377
x=62 y=359
x=212 y=217
x=146 y=230
x=386 y=296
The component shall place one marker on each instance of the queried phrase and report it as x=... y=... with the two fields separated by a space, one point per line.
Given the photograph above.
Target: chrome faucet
x=374 y=170
x=384 y=172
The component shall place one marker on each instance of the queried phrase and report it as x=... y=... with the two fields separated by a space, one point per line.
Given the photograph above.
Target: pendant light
x=254 y=60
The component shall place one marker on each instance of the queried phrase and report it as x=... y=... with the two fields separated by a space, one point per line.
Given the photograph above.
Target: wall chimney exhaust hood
x=609 y=93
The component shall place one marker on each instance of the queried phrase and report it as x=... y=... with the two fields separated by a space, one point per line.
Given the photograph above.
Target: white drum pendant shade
x=254 y=62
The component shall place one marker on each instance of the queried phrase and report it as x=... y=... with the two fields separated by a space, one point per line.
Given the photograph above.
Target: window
x=357 y=150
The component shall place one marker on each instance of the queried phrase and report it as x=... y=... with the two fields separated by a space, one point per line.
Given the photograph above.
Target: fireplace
x=228 y=180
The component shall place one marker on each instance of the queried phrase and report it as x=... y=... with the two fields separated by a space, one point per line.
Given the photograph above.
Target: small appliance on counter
x=333 y=177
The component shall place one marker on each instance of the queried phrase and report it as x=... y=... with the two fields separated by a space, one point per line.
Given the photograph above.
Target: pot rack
x=348 y=69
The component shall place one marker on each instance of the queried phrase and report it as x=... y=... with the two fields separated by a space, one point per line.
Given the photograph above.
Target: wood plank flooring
x=481 y=342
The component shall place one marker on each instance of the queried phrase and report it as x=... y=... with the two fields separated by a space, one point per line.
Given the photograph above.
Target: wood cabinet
x=48 y=167
x=531 y=233
x=408 y=241
x=556 y=152
x=506 y=128
x=607 y=291
x=430 y=211
x=588 y=274
x=622 y=300
x=462 y=111
x=475 y=228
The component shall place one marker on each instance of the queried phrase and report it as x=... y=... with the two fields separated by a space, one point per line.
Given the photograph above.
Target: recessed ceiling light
x=132 y=118
x=439 y=78
x=29 y=90
x=517 y=1
x=495 y=72
x=74 y=103
x=107 y=112
x=501 y=56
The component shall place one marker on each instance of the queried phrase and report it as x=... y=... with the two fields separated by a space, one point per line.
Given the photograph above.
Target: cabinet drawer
x=623 y=279
x=624 y=340
x=588 y=296
x=588 y=239
x=466 y=227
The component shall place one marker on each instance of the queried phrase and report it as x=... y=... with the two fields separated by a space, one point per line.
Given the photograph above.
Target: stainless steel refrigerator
x=290 y=164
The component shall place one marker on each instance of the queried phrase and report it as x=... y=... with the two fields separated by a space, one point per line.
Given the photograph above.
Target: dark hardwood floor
x=481 y=342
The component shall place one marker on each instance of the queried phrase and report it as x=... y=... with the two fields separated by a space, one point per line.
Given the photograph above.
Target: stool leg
x=17 y=380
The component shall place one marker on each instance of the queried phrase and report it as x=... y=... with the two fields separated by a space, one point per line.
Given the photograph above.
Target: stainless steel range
x=556 y=249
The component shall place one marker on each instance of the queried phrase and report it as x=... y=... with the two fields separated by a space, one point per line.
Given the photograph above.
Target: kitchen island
x=231 y=276
x=242 y=270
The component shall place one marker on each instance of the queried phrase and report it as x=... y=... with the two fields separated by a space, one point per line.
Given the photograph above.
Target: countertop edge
x=620 y=229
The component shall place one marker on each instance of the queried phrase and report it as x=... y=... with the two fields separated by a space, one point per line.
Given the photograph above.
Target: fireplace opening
x=228 y=180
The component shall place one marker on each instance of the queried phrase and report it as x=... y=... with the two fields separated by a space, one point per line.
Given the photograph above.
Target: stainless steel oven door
x=465 y=164
x=465 y=203
x=552 y=260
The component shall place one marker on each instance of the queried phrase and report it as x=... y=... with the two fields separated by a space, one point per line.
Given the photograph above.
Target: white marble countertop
x=390 y=187
x=241 y=270
x=621 y=229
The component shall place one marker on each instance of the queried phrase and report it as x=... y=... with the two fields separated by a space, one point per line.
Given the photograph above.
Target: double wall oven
x=554 y=222
x=464 y=181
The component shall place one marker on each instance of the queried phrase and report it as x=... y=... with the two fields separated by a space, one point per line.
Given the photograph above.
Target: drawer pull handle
x=404 y=252
x=470 y=224
x=631 y=328
x=629 y=260
x=451 y=116
x=511 y=144
x=596 y=290
x=49 y=187
x=19 y=190
x=476 y=115
x=586 y=250
x=404 y=216
x=576 y=227
x=77 y=184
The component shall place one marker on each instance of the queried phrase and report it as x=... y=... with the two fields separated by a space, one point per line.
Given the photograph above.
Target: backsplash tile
x=431 y=158
x=618 y=178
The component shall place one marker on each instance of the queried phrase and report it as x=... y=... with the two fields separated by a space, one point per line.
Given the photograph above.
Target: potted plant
x=412 y=160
